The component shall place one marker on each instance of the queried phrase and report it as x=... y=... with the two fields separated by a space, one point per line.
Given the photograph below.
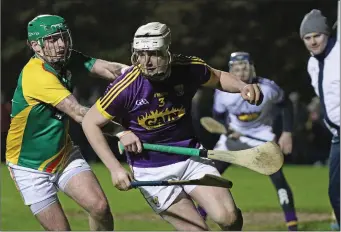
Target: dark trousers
x=334 y=177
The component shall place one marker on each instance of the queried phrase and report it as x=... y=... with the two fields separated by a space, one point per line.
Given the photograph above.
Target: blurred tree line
x=210 y=29
x=206 y=28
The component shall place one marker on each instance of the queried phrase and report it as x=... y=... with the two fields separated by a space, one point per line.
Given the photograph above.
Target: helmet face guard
x=241 y=65
x=53 y=36
x=57 y=47
x=150 y=51
x=154 y=65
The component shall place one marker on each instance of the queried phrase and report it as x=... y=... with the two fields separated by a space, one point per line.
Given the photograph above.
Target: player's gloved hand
x=285 y=142
x=130 y=141
x=121 y=178
x=252 y=93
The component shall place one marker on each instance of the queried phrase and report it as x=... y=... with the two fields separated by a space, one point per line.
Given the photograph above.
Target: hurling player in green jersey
x=40 y=154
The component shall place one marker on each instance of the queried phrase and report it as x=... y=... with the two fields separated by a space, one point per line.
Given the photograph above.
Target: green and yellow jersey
x=38 y=137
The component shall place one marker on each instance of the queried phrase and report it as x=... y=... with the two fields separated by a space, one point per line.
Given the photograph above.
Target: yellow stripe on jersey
x=102 y=111
x=125 y=86
x=15 y=138
x=118 y=88
x=63 y=150
x=213 y=81
x=65 y=157
x=190 y=62
x=105 y=99
x=193 y=58
x=182 y=60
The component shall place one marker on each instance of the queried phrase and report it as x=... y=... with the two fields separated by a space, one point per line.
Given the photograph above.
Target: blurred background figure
x=324 y=70
x=318 y=148
x=299 y=154
x=256 y=121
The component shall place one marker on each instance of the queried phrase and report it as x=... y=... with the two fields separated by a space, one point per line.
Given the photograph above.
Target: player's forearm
x=72 y=108
x=224 y=81
x=112 y=128
x=100 y=145
x=108 y=70
x=115 y=69
x=230 y=83
x=79 y=113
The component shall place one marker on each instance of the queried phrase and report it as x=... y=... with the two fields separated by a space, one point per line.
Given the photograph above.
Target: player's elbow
x=85 y=121
x=79 y=119
x=87 y=124
x=214 y=81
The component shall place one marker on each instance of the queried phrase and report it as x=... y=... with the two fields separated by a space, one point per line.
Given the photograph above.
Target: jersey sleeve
x=113 y=102
x=200 y=71
x=44 y=86
x=79 y=60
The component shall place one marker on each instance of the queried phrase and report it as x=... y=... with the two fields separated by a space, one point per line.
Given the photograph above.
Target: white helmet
x=153 y=36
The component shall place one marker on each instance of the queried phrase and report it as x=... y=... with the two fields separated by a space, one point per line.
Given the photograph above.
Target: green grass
x=253 y=193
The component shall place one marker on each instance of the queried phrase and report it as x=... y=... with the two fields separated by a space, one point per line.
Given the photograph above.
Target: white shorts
x=161 y=197
x=36 y=186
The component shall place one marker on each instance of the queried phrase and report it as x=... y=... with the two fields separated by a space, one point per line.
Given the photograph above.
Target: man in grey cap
x=324 y=71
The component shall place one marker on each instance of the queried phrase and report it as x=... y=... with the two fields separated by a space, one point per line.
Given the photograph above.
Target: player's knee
x=229 y=219
x=235 y=221
x=100 y=209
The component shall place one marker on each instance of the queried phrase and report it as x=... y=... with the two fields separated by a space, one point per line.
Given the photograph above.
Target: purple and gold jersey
x=157 y=112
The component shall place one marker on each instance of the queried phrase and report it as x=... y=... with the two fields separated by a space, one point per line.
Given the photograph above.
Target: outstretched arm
x=107 y=70
x=224 y=81
x=230 y=83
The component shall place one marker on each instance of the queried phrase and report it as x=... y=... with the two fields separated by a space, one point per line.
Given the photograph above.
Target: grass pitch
x=253 y=193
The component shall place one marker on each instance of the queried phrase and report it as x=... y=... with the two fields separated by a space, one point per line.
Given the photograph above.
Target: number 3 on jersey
x=161 y=101
x=161 y=98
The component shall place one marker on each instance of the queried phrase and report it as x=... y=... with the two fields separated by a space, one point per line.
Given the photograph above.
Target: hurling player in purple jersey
x=152 y=101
